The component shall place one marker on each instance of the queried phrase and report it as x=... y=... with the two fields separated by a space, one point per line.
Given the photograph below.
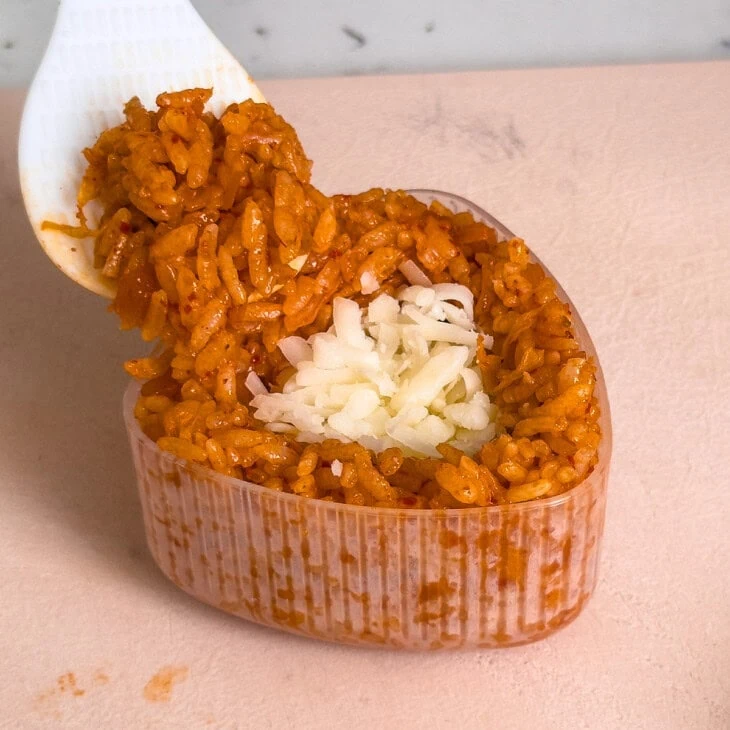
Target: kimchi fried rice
x=223 y=250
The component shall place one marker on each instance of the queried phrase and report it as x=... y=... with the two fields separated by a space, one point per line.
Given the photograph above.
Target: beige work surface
x=620 y=180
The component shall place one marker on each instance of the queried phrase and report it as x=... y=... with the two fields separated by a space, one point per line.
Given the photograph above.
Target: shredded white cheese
x=298 y=263
x=255 y=384
x=402 y=374
x=368 y=283
x=414 y=274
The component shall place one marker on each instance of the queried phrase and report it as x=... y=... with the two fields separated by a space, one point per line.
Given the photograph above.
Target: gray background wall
x=289 y=38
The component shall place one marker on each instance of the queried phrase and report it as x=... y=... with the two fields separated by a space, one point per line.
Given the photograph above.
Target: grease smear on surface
x=160 y=686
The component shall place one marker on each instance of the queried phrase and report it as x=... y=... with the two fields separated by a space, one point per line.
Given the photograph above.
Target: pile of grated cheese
x=403 y=373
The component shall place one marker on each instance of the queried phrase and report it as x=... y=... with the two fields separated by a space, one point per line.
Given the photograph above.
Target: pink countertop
x=620 y=180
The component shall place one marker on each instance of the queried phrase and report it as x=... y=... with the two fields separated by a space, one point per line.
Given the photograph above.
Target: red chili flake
x=408 y=501
x=335 y=254
x=187 y=309
x=255 y=360
x=124 y=227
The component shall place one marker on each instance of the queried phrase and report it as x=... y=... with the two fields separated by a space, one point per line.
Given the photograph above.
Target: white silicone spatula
x=101 y=54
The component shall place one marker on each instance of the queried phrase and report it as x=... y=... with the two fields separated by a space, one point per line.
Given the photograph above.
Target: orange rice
x=202 y=217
